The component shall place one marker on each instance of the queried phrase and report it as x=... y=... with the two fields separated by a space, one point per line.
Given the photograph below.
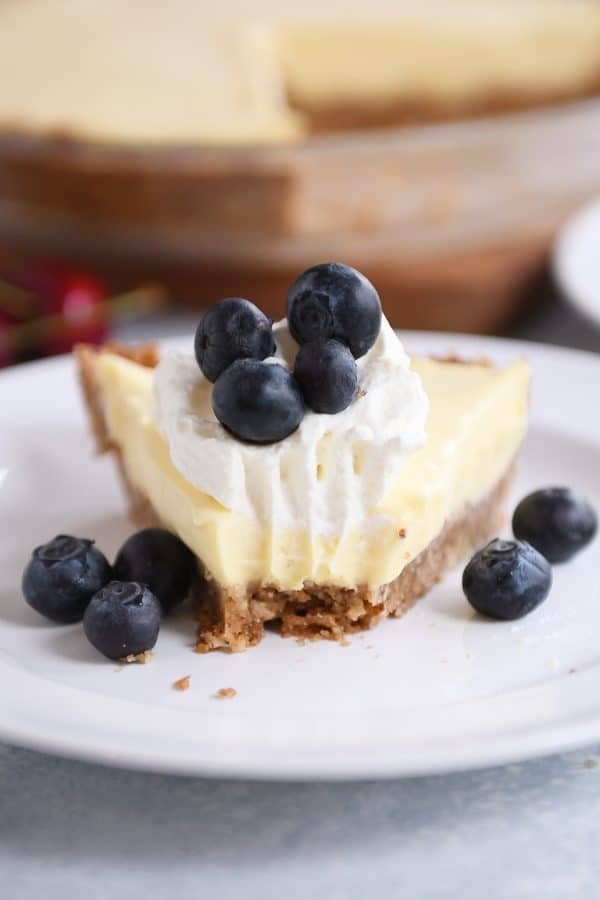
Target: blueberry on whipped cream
x=258 y=401
x=326 y=372
x=332 y=300
x=232 y=329
x=334 y=318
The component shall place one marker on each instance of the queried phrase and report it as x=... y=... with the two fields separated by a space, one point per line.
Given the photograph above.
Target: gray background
x=73 y=830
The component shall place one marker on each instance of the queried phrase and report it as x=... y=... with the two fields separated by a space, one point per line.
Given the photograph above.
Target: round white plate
x=435 y=691
x=576 y=260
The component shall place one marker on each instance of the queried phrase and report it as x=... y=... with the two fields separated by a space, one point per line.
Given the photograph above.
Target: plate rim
x=519 y=346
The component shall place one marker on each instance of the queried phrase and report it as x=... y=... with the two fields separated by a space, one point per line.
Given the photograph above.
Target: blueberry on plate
x=257 y=401
x=507 y=579
x=122 y=619
x=160 y=560
x=326 y=372
x=232 y=329
x=62 y=576
x=334 y=301
x=556 y=522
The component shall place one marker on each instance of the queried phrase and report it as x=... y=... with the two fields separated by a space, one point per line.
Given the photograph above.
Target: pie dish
x=194 y=76
x=323 y=535
x=227 y=174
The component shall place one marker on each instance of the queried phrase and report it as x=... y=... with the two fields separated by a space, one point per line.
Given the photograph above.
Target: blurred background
x=157 y=156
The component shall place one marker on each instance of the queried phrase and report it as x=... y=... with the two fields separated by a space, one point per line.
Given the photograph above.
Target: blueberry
x=556 y=522
x=123 y=618
x=334 y=301
x=258 y=401
x=232 y=329
x=326 y=373
x=157 y=558
x=62 y=576
x=507 y=579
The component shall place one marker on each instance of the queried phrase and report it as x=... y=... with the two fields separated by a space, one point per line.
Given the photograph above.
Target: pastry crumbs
x=182 y=684
x=143 y=657
x=225 y=693
x=402 y=533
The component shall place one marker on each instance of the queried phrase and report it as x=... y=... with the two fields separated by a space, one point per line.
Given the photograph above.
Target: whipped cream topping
x=329 y=476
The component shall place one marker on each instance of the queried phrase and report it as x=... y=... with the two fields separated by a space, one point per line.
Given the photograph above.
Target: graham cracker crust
x=234 y=617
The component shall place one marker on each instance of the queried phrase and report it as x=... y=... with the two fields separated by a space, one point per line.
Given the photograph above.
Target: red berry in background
x=79 y=304
x=75 y=295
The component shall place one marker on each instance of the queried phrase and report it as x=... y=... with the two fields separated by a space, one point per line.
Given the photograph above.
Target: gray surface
x=70 y=830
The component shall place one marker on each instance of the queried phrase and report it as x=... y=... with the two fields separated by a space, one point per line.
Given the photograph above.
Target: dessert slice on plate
x=321 y=521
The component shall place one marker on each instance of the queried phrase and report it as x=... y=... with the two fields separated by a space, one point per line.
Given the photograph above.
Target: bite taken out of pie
x=349 y=518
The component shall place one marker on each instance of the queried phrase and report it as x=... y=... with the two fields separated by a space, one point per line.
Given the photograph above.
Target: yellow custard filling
x=476 y=424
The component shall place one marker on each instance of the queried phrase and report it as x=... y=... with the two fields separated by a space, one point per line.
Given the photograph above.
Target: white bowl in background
x=576 y=260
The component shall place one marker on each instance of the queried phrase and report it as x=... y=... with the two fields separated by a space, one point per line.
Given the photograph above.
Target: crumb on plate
x=143 y=657
x=182 y=684
x=225 y=693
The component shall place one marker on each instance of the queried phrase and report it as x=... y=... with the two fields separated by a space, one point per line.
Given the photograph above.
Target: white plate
x=435 y=691
x=576 y=260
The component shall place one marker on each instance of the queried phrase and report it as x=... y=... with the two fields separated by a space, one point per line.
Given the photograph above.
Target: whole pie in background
x=236 y=73
x=437 y=146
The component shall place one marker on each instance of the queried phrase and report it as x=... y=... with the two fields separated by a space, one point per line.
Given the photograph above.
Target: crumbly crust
x=141 y=658
x=234 y=617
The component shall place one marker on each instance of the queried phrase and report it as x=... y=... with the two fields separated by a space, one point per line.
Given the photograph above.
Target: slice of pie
x=351 y=518
x=186 y=72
